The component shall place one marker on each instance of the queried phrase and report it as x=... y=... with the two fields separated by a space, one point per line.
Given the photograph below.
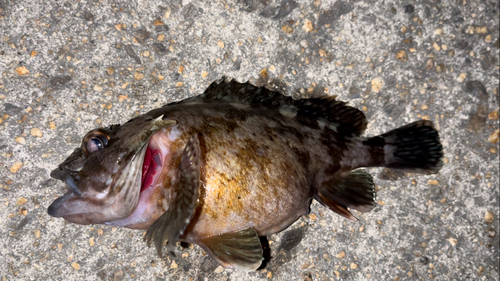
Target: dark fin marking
x=354 y=191
x=349 y=121
x=172 y=224
x=240 y=250
x=414 y=148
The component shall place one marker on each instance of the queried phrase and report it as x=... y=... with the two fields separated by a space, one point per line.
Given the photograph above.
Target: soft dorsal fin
x=349 y=121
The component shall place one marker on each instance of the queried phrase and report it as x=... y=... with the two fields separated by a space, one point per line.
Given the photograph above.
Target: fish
x=233 y=164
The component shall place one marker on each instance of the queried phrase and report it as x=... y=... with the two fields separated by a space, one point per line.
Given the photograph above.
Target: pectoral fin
x=355 y=191
x=172 y=224
x=240 y=250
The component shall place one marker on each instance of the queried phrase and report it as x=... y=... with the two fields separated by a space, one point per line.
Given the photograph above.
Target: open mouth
x=154 y=159
x=151 y=167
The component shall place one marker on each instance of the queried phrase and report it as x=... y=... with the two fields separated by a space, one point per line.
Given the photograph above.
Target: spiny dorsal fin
x=350 y=121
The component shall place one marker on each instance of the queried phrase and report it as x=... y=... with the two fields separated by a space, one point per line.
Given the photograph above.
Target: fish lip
x=57 y=210
x=54 y=208
x=61 y=174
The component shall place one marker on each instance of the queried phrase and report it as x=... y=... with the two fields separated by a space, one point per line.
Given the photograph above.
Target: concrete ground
x=70 y=66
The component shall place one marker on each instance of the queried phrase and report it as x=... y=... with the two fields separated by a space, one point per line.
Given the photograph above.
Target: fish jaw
x=69 y=206
x=105 y=184
x=93 y=207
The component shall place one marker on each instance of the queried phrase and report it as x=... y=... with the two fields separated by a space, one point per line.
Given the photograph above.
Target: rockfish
x=232 y=164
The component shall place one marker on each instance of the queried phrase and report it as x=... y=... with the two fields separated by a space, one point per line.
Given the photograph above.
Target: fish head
x=104 y=174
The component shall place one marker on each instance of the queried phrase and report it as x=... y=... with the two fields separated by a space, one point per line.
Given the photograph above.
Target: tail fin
x=412 y=148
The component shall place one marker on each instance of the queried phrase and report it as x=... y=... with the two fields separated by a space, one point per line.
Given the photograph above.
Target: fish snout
x=59 y=173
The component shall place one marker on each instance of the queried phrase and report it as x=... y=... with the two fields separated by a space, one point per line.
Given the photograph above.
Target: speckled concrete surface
x=69 y=66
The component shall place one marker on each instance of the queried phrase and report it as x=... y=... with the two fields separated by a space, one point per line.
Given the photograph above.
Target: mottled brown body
x=235 y=163
x=243 y=179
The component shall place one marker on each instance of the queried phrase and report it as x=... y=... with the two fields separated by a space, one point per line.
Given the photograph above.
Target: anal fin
x=354 y=191
x=240 y=250
x=172 y=224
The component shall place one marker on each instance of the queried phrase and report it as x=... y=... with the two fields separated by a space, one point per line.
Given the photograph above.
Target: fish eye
x=94 y=141
x=94 y=144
